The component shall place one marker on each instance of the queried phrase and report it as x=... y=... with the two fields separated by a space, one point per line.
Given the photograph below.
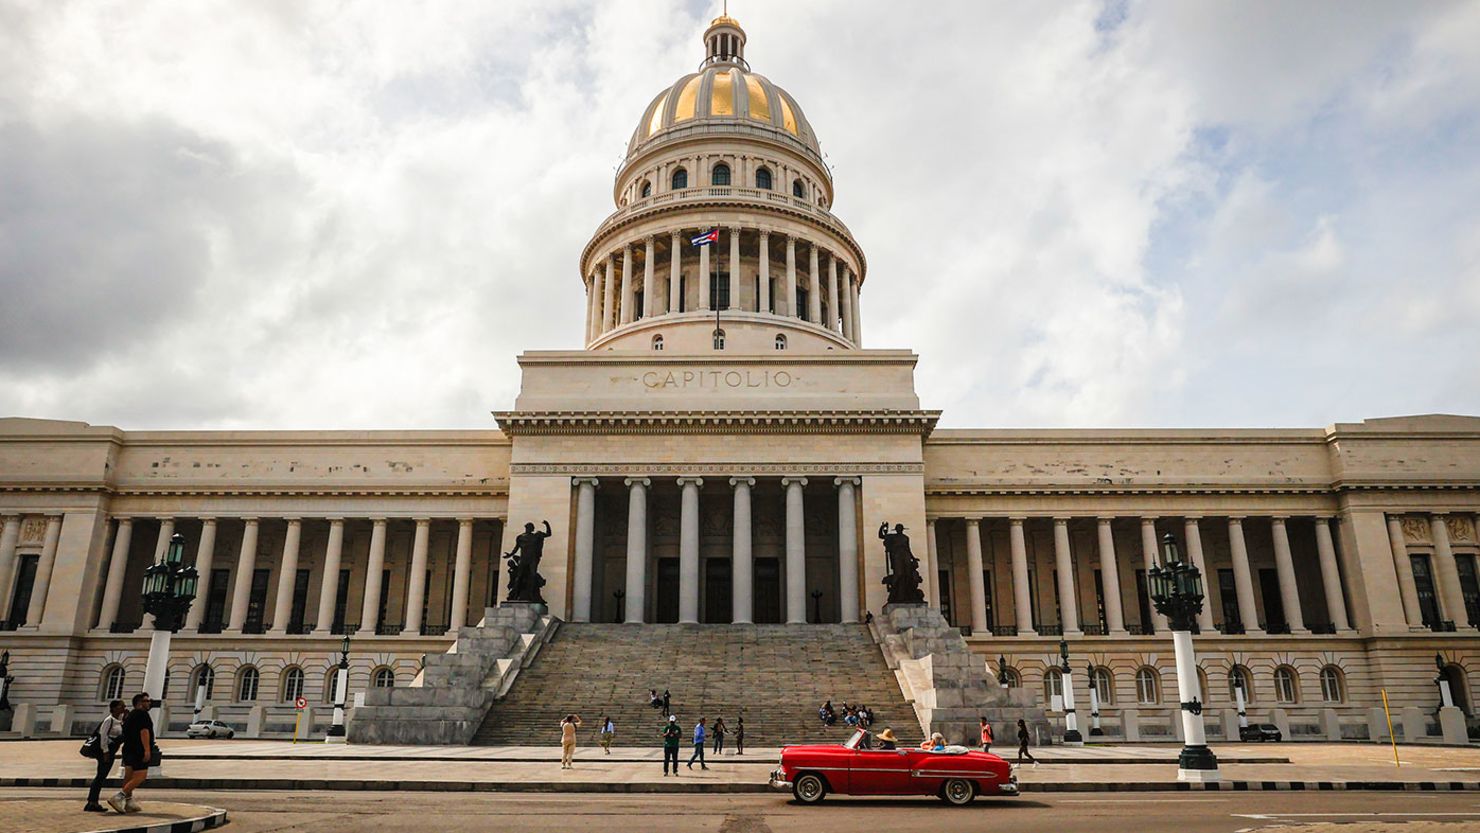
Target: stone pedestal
x=1452 y=725
x=948 y=685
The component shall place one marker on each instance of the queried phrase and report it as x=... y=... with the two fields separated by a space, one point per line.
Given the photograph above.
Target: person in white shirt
x=109 y=733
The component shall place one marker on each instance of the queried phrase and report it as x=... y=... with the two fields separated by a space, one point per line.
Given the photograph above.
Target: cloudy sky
x=355 y=214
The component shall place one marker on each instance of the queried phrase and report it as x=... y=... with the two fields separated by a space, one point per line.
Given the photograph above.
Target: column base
x=1027 y=632
x=1074 y=633
x=1119 y=632
x=335 y=739
x=1096 y=732
x=1197 y=759
x=1300 y=632
x=1073 y=738
x=1199 y=776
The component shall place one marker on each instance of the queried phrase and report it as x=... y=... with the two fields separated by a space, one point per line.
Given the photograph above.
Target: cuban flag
x=711 y=236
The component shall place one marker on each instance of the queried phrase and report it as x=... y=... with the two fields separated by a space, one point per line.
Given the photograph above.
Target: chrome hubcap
x=958 y=790
x=810 y=787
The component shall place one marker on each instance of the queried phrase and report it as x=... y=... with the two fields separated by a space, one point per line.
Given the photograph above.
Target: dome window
x=721 y=175
x=780 y=341
x=763 y=179
x=647 y=189
x=798 y=190
x=658 y=343
x=719 y=339
x=680 y=179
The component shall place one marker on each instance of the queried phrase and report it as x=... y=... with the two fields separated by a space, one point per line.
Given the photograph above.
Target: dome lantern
x=724 y=42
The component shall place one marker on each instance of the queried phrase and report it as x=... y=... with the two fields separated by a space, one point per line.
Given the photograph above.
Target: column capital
x=689 y=481
x=207 y=519
x=973 y=520
x=851 y=481
x=293 y=520
x=249 y=519
x=378 y=521
x=1104 y=519
x=793 y=479
x=674 y=235
x=160 y=518
x=466 y=521
x=1439 y=514
x=423 y=521
x=1060 y=520
x=1279 y=519
x=123 y=519
x=764 y=232
x=1017 y=520
x=1149 y=520
x=645 y=482
x=649 y=239
x=586 y=481
x=1191 y=519
x=748 y=481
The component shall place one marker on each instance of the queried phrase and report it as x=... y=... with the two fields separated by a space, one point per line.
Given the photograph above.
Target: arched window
x=1239 y=676
x=1459 y=688
x=113 y=677
x=798 y=190
x=384 y=678
x=719 y=339
x=720 y=175
x=680 y=179
x=1104 y=685
x=246 y=684
x=1014 y=679
x=1202 y=685
x=658 y=342
x=647 y=189
x=1053 y=685
x=292 y=684
x=203 y=677
x=1148 y=686
x=780 y=341
x=763 y=178
x=331 y=684
x=1286 y=685
x=1332 y=688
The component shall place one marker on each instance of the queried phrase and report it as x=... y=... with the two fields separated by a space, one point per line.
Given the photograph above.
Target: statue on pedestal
x=903 y=576
x=525 y=580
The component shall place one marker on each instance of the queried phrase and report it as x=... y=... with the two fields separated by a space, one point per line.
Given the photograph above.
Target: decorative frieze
x=534 y=423
x=715 y=469
x=1416 y=529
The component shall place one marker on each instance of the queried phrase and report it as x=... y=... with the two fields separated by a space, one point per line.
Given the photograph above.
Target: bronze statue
x=903 y=576
x=525 y=580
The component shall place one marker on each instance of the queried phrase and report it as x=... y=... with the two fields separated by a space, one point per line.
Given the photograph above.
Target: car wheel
x=809 y=788
x=958 y=792
x=231 y=735
x=212 y=734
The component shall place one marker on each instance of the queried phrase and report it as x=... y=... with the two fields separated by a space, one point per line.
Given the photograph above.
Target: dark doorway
x=1274 y=604
x=718 y=591
x=1469 y=586
x=341 y=601
x=768 y=591
x=1143 y=603
x=947 y=611
x=216 y=603
x=667 y=601
x=20 y=598
x=300 y=602
x=257 y=601
x=1228 y=594
x=1423 y=581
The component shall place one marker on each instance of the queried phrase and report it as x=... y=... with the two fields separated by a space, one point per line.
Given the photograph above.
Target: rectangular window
x=1058 y=608
x=1228 y=593
x=341 y=601
x=1274 y=605
x=637 y=305
x=683 y=292
x=987 y=586
x=257 y=600
x=216 y=603
x=300 y=602
x=385 y=596
x=946 y=608
x=1469 y=586
x=426 y=608
x=20 y=597
x=1423 y=581
x=1100 y=602
x=800 y=310
x=719 y=291
x=1143 y=603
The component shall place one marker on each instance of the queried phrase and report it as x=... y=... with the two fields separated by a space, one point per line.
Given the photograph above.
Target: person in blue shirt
x=698 y=755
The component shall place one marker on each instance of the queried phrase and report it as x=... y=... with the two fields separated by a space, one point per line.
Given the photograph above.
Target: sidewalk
x=56 y=815
x=225 y=765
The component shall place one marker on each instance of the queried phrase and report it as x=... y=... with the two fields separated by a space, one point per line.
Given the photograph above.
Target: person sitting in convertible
x=936 y=743
x=887 y=739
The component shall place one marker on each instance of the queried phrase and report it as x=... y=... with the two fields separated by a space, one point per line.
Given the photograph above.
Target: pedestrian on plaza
x=138 y=750
x=1023 y=744
x=608 y=734
x=110 y=734
x=671 y=736
x=986 y=735
x=699 y=735
x=740 y=734
x=568 y=728
x=719 y=735
x=667 y=709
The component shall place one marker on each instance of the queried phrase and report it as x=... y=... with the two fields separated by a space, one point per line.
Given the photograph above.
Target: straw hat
x=888 y=735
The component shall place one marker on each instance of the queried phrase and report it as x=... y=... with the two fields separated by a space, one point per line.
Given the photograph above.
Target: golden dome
x=721 y=94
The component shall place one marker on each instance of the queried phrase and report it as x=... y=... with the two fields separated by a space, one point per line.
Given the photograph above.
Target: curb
x=214 y=818
x=648 y=787
x=617 y=759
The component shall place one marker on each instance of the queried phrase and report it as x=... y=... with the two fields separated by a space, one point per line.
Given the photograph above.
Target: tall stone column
x=848 y=547
x=1407 y=588
x=796 y=551
x=1148 y=559
x=591 y=306
x=624 y=310
x=585 y=547
x=1193 y=536
x=329 y=581
x=462 y=573
x=814 y=287
x=635 y=601
x=1068 y=593
x=704 y=277
x=735 y=268
x=1330 y=577
x=609 y=298
x=287 y=572
x=648 y=290
x=205 y=555
x=832 y=293
x=1450 y=593
x=162 y=542
x=675 y=274
x=48 y=561
x=764 y=302
x=1110 y=577
x=688 y=550
x=117 y=569
x=416 y=585
x=370 y=607
x=975 y=576
x=1022 y=594
x=246 y=562
x=742 y=599
x=1243 y=577
x=847 y=304
x=932 y=563
x=853 y=290
x=791 y=279
x=1285 y=568
x=10 y=535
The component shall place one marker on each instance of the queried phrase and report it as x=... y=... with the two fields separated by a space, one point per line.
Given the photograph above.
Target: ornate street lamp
x=1094 y=701
x=341 y=690
x=1177 y=591
x=1446 y=697
x=1072 y=737
x=169 y=588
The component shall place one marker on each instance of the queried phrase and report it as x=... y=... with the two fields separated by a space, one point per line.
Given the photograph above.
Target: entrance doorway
x=666 y=611
x=767 y=591
x=718 y=590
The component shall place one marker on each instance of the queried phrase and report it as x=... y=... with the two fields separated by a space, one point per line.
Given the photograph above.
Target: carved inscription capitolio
x=717 y=379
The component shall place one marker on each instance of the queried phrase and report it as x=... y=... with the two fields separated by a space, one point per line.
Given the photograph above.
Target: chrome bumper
x=778 y=780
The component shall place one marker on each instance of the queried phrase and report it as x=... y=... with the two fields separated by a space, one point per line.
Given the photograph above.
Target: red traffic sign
x=301 y=703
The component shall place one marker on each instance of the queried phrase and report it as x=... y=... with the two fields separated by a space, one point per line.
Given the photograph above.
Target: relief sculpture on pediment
x=33 y=530
x=1416 y=529
x=1461 y=529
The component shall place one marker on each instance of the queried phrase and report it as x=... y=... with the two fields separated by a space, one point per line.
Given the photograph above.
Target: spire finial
x=724 y=40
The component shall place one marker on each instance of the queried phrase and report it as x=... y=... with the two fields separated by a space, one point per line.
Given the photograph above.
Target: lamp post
x=1446 y=697
x=341 y=690
x=1002 y=670
x=816 y=607
x=1072 y=737
x=1238 y=699
x=169 y=588
x=1094 y=701
x=1177 y=591
x=5 y=681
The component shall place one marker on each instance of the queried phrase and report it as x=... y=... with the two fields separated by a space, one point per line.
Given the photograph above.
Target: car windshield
x=856 y=742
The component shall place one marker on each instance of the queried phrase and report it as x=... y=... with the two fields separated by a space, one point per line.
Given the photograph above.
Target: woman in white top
x=110 y=731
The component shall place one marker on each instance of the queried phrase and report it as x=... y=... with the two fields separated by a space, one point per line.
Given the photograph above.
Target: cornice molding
x=716 y=470
x=883 y=421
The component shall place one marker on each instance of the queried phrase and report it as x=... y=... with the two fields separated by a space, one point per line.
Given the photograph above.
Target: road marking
x=1266 y=816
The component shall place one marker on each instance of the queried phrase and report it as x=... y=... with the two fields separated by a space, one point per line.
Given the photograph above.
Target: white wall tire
x=958 y=792
x=809 y=788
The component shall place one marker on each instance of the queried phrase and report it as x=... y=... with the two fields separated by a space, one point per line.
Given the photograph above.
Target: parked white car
x=209 y=729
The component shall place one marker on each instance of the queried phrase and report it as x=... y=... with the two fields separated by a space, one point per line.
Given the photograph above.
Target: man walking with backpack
x=104 y=746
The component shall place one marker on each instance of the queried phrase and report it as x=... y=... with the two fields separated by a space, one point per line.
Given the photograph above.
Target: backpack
x=92 y=747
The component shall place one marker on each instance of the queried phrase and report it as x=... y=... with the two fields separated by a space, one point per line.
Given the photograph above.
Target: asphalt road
x=281 y=812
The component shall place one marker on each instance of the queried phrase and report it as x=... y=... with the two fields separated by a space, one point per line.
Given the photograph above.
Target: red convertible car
x=858 y=767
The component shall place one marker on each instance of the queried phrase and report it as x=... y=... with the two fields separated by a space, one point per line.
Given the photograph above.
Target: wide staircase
x=774 y=675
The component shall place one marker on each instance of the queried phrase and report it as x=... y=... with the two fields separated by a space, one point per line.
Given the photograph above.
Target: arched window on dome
x=763 y=179
x=680 y=179
x=647 y=189
x=798 y=190
x=780 y=341
x=719 y=339
x=658 y=342
x=720 y=175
